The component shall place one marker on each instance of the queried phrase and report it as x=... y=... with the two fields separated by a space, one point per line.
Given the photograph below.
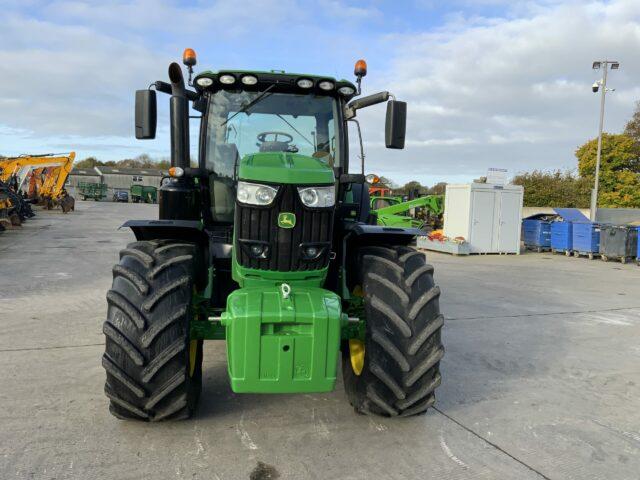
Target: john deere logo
x=287 y=220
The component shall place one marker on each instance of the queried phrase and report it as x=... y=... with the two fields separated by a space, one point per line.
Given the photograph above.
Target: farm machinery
x=43 y=176
x=389 y=211
x=143 y=193
x=93 y=190
x=269 y=244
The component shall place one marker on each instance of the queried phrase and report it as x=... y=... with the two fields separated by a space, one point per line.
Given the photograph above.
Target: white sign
x=497 y=176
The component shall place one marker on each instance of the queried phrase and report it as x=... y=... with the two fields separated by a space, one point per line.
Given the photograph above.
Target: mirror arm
x=364 y=102
x=165 y=87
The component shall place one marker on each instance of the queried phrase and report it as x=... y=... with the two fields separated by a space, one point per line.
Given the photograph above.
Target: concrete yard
x=541 y=378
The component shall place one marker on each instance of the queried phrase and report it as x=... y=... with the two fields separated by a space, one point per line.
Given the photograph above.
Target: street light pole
x=603 y=85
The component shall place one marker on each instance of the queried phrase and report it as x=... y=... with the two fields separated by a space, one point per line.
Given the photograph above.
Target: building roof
x=149 y=172
x=101 y=170
x=84 y=172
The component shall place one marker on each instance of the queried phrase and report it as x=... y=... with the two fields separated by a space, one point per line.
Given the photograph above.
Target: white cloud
x=508 y=91
x=516 y=90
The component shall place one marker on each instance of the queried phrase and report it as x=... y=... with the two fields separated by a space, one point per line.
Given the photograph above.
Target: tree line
x=141 y=161
x=619 y=175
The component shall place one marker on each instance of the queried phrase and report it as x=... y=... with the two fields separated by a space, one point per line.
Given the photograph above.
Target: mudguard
x=380 y=234
x=188 y=230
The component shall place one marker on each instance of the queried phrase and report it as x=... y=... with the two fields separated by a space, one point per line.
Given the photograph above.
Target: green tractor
x=269 y=244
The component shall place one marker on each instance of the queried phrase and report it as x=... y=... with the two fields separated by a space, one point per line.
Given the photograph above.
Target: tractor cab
x=261 y=122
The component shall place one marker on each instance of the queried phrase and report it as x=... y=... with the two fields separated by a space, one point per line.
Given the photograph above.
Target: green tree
x=411 y=186
x=554 y=189
x=388 y=182
x=165 y=163
x=632 y=128
x=619 y=169
x=88 y=162
x=438 y=189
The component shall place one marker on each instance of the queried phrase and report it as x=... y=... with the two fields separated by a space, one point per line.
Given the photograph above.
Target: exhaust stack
x=179 y=112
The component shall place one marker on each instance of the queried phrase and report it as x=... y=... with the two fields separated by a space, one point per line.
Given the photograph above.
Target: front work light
x=313 y=251
x=326 y=85
x=227 y=79
x=317 y=197
x=346 y=90
x=249 y=80
x=255 y=249
x=256 y=194
x=305 y=83
x=204 y=82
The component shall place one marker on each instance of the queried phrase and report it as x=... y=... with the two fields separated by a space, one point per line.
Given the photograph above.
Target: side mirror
x=396 y=124
x=146 y=114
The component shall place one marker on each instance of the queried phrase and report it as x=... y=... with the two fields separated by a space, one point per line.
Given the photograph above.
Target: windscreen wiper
x=253 y=102
x=295 y=129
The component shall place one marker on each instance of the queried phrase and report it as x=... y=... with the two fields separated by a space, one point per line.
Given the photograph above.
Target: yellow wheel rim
x=193 y=353
x=356 y=352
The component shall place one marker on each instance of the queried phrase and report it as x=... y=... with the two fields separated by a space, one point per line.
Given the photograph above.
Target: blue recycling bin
x=562 y=236
x=537 y=234
x=638 y=254
x=586 y=238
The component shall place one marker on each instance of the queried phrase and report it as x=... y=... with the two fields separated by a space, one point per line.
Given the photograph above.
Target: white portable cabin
x=487 y=216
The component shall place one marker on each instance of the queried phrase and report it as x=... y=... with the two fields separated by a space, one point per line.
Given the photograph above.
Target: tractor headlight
x=317 y=197
x=256 y=194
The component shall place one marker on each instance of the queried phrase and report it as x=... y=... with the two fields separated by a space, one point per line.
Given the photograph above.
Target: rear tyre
x=402 y=347
x=154 y=371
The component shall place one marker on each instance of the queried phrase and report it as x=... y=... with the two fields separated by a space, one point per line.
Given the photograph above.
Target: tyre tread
x=146 y=357
x=403 y=340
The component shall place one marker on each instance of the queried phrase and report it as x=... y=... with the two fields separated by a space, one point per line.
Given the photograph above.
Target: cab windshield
x=244 y=123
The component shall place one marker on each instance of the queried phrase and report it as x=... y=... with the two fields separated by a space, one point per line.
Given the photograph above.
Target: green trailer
x=143 y=193
x=92 y=190
x=268 y=244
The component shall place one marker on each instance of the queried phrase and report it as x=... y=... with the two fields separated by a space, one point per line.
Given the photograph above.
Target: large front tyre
x=395 y=370
x=154 y=370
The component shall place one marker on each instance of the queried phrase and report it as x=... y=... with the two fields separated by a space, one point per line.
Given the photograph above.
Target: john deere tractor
x=269 y=245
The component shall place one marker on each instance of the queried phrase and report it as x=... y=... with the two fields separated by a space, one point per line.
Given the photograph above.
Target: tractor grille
x=260 y=224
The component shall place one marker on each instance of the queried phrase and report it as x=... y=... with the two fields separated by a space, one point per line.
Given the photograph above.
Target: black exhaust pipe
x=179 y=107
x=179 y=198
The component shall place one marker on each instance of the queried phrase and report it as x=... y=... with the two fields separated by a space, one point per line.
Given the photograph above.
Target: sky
x=489 y=83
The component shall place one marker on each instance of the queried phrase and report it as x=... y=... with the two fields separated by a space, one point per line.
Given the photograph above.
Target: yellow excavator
x=46 y=175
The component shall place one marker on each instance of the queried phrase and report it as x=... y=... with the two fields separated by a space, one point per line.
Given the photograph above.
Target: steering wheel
x=262 y=137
